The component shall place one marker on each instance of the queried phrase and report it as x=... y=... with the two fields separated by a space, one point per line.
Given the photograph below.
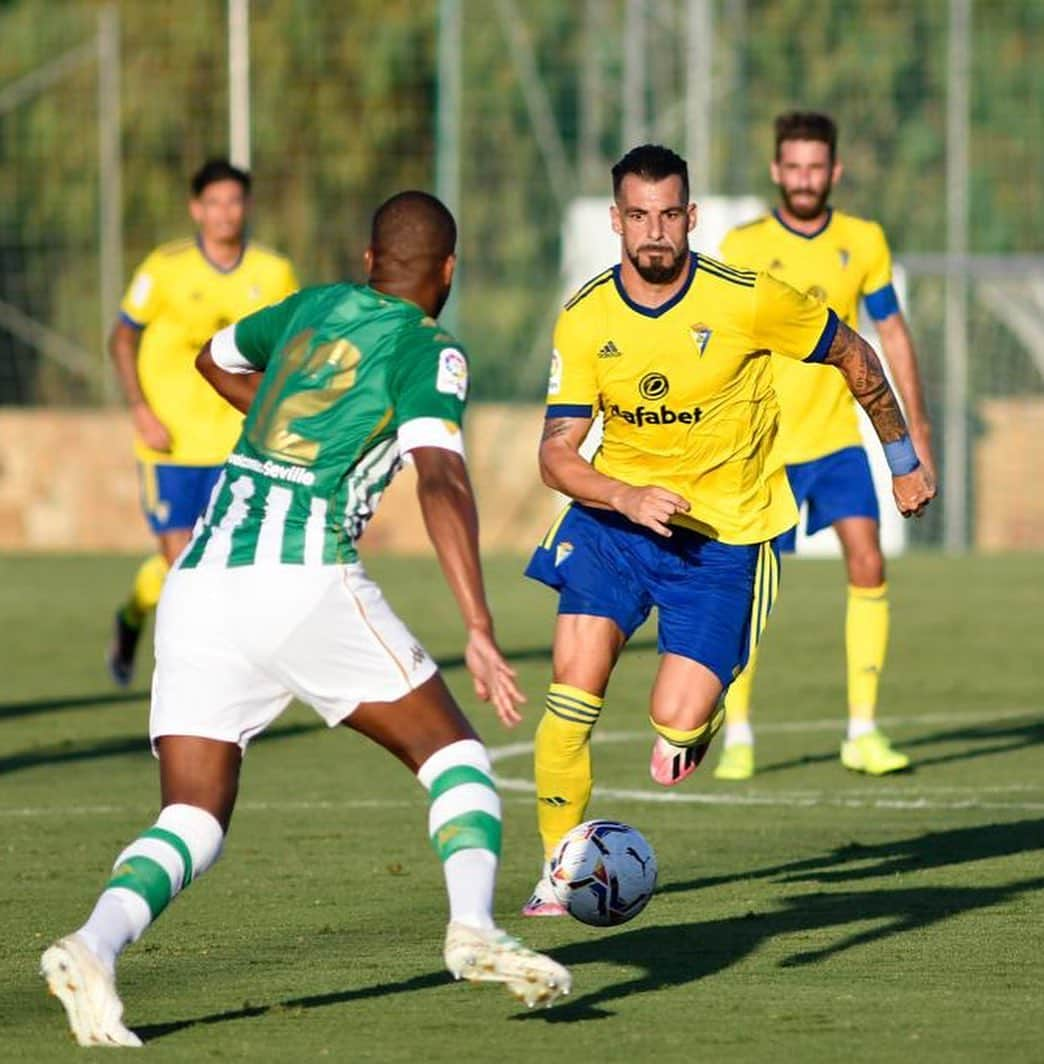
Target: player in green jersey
x=269 y=601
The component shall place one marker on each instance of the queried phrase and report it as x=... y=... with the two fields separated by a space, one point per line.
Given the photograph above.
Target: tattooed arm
x=862 y=369
x=563 y=468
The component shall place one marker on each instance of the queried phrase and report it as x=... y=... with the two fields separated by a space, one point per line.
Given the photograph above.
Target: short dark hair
x=806 y=125
x=218 y=170
x=413 y=227
x=651 y=162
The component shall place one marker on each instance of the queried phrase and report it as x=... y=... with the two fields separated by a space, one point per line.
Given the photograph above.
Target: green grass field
x=808 y=915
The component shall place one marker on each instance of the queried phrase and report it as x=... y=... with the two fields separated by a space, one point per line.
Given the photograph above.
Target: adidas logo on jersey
x=609 y=350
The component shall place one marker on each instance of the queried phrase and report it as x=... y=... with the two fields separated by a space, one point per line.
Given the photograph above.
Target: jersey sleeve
x=572 y=388
x=878 y=290
x=789 y=323
x=256 y=338
x=144 y=297
x=429 y=389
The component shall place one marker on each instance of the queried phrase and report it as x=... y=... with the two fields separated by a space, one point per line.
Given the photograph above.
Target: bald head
x=411 y=252
x=412 y=232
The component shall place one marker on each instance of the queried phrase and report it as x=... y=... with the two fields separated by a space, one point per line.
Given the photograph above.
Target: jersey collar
x=797 y=232
x=655 y=312
x=213 y=265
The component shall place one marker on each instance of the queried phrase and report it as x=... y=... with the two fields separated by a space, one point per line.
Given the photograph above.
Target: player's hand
x=493 y=677
x=913 y=491
x=149 y=427
x=921 y=438
x=649 y=506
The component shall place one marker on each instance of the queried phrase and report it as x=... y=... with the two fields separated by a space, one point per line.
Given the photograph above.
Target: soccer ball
x=603 y=872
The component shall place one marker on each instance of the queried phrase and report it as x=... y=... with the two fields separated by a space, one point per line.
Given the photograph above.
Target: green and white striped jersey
x=353 y=379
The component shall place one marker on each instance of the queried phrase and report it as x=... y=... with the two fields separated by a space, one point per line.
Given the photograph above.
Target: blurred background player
x=837 y=258
x=183 y=293
x=681 y=505
x=339 y=383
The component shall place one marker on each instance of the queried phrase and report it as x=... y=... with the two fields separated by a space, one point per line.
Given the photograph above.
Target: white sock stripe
x=135 y=906
x=165 y=855
x=198 y=829
x=467 y=798
x=464 y=752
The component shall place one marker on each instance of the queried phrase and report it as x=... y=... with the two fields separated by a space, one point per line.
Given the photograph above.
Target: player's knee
x=199 y=831
x=866 y=567
x=462 y=753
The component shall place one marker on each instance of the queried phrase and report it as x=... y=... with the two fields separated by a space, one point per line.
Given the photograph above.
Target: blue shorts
x=713 y=598
x=173 y=496
x=835 y=486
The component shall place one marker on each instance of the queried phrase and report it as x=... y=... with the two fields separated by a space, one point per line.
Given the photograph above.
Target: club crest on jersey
x=452 y=378
x=701 y=335
x=562 y=551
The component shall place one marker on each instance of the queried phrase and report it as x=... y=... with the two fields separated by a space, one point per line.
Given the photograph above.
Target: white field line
x=986 y=717
x=923 y=797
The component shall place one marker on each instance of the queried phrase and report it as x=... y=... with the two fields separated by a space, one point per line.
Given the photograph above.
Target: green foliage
x=344 y=100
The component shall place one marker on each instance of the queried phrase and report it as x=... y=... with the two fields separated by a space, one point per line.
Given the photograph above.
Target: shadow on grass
x=33 y=706
x=310 y=1001
x=138 y=743
x=982 y=740
x=856 y=861
x=66 y=753
x=673 y=955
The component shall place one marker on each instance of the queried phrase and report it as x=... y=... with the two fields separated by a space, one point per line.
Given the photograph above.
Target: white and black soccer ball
x=603 y=872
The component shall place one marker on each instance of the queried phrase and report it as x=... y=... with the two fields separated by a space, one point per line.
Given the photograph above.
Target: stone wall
x=68 y=482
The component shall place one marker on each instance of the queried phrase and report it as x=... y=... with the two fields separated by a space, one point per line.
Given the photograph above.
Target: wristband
x=901 y=456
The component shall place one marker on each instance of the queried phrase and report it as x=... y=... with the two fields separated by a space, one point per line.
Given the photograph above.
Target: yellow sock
x=737 y=697
x=866 y=637
x=145 y=593
x=562 y=761
x=698 y=736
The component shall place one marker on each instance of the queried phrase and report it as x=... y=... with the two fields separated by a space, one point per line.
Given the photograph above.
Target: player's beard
x=659 y=271
x=806 y=209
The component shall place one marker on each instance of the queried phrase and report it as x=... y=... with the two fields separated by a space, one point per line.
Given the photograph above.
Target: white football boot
x=87 y=990
x=493 y=956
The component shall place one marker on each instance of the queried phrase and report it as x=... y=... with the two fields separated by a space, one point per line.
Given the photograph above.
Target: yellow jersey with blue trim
x=847 y=258
x=685 y=389
x=179 y=298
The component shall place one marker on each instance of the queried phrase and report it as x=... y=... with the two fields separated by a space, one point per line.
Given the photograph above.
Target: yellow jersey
x=180 y=299
x=845 y=259
x=685 y=389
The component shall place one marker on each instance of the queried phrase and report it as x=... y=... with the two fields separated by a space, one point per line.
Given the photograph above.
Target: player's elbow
x=205 y=362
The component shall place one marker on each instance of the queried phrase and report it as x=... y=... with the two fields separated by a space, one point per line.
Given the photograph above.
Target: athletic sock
x=465 y=829
x=866 y=638
x=146 y=590
x=562 y=761
x=700 y=736
x=184 y=842
x=737 y=696
x=738 y=734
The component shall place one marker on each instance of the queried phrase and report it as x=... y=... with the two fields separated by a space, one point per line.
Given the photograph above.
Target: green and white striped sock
x=465 y=828
x=183 y=843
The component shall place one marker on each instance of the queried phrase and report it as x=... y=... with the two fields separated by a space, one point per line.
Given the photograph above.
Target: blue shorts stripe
x=174 y=496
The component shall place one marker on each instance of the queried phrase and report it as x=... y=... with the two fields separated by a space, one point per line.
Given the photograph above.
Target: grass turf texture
x=808 y=915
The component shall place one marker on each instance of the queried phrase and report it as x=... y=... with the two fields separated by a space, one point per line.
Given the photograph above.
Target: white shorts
x=233 y=646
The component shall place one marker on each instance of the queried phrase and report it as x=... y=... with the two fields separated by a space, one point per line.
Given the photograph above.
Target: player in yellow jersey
x=681 y=505
x=839 y=259
x=182 y=294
